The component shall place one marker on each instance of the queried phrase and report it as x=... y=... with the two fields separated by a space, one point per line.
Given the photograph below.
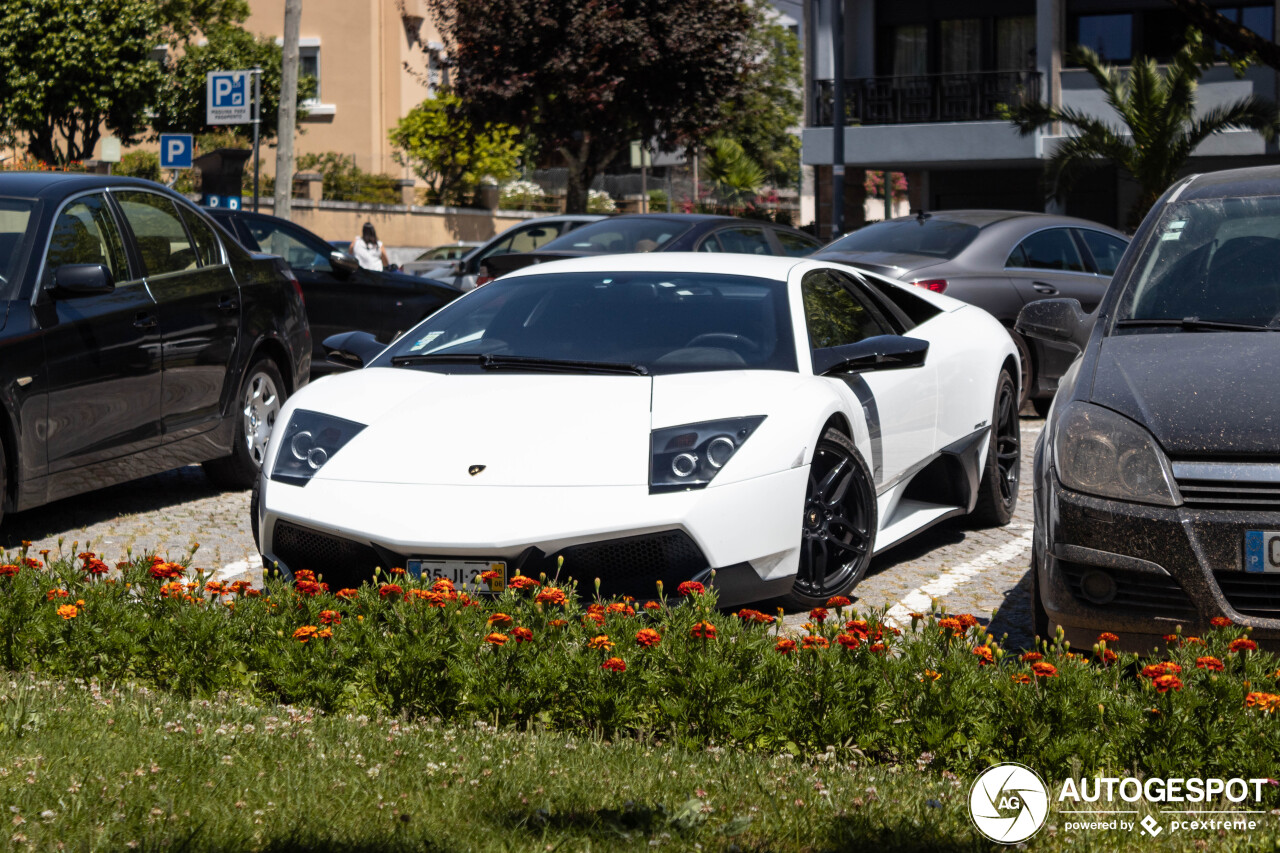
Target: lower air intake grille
x=1253 y=594
x=633 y=566
x=1134 y=590
x=341 y=562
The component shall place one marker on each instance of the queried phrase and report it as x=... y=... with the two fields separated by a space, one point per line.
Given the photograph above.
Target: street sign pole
x=257 y=120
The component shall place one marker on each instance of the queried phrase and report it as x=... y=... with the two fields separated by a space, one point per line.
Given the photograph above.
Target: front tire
x=838 y=524
x=998 y=487
x=262 y=395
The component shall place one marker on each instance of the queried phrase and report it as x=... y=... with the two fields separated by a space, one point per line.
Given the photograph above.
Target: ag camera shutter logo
x=1008 y=803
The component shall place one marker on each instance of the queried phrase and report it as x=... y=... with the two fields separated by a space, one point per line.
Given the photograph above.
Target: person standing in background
x=367 y=249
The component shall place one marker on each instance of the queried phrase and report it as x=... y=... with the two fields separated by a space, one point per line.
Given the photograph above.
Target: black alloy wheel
x=998 y=488
x=838 y=525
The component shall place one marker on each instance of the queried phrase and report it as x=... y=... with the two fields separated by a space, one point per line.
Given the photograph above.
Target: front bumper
x=1171 y=566
x=622 y=534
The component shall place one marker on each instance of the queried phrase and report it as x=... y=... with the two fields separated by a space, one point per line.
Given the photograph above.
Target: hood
x=1199 y=393
x=892 y=264
x=526 y=429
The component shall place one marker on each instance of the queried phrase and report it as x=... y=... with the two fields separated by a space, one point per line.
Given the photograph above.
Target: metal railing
x=971 y=96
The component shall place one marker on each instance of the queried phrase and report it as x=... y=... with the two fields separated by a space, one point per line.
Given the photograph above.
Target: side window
x=162 y=240
x=1106 y=250
x=502 y=247
x=298 y=252
x=1051 y=249
x=710 y=244
x=834 y=315
x=86 y=233
x=744 y=241
x=208 y=250
x=528 y=239
x=794 y=245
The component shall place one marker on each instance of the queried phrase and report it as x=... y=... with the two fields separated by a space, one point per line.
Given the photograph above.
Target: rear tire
x=262 y=395
x=838 y=524
x=998 y=487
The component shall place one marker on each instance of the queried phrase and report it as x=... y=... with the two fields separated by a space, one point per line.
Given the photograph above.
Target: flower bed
x=674 y=668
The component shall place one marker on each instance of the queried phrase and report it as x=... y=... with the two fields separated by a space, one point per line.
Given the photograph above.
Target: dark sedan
x=664 y=232
x=135 y=337
x=339 y=294
x=998 y=260
x=1157 y=477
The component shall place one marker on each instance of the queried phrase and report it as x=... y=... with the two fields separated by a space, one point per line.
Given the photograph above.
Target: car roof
x=1233 y=183
x=756 y=266
x=58 y=184
x=983 y=218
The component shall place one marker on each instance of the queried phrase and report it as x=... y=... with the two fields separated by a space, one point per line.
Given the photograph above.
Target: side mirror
x=71 y=280
x=883 y=352
x=343 y=262
x=1060 y=321
x=352 y=349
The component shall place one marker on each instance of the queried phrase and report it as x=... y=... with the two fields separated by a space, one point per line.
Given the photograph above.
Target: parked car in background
x=666 y=232
x=440 y=256
x=135 y=337
x=339 y=294
x=998 y=260
x=1157 y=476
x=471 y=270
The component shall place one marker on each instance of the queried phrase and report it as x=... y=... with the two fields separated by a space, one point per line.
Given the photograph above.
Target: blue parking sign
x=227 y=97
x=175 y=150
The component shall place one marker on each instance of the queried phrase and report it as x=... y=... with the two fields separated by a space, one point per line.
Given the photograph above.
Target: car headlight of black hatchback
x=689 y=456
x=308 y=442
x=1099 y=452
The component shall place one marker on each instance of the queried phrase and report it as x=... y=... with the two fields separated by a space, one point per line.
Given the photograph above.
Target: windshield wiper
x=488 y=361
x=1193 y=323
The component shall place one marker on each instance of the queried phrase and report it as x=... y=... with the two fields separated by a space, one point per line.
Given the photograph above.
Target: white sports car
x=650 y=417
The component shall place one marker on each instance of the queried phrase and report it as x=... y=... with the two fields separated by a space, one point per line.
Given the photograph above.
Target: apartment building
x=923 y=79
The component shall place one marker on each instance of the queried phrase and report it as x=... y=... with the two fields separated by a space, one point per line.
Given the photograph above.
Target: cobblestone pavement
x=970 y=570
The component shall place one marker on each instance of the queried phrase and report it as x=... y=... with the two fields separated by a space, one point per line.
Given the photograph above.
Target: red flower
x=1044 y=670
x=1244 y=644
x=984 y=655
x=442 y=585
x=951 y=624
x=1021 y=678
x=95 y=566
x=648 y=638
x=600 y=642
x=785 y=646
x=32 y=562
x=1221 y=622
x=521 y=582
x=879 y=648
x=522 y=635
x=496 y=639
x=8 y=571
x=838 y=601
x=558 y=623
x=304 y=575
x=398 y=571
x=56 y=593
x=550 y=595
x=165 y=571
x=1155 y=670
x=849 y=641
x=391 y=590
x=819 y=614
x=1210 y=663
x=703 y=631
x=310 y=589
x=349 y=594
x=754 y=617
x=330 y=617
x=1108 y=637
x=653 y=605
x=814 y=641
x=1031 y=657
x=596 y=618
x=305 y=633
x=690 y=588
x=1108 y=657
x=614 y=665
x=500 y=620
x=619 y=607
x=1165 y=683
x=1265 y=702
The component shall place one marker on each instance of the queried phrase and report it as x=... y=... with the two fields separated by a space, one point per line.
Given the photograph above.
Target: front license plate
x=1262 y=551
x=465 y=574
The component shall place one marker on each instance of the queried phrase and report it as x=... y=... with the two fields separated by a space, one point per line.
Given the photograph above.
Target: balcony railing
x=971 y=96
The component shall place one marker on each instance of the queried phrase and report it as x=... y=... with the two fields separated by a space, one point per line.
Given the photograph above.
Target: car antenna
x=921 y=216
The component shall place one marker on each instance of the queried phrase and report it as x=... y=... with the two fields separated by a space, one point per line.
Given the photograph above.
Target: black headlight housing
x=689 y=456
x=309 y=441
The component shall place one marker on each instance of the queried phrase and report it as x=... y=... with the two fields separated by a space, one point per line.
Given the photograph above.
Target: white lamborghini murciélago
x=650 y=417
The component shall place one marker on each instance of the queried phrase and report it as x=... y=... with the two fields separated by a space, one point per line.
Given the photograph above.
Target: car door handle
x=145 y=320
x=228 y=303
x=1047 y=289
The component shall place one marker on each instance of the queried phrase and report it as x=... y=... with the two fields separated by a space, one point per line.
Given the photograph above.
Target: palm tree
x=1161 y=126
x=734 y=174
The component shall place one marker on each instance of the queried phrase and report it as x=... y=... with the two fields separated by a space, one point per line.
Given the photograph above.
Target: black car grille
x=1252 y=594
x=1134 y=590
x=632 y=565
x=341 y=562
x=1233 y=495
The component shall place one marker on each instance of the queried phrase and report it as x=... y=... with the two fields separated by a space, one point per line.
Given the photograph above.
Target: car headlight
x=1099 y=452
x=689 y=456
x=309 y=441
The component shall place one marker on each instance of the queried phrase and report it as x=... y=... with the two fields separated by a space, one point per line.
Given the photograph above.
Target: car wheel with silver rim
x=262 y=395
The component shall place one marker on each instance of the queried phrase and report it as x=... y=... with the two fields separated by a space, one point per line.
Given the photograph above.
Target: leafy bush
x=523 y=195
x=674 y=668
x=139 y=164
x=345 y=181
x=599 y=201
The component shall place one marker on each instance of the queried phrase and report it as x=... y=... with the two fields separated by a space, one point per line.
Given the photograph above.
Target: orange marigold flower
x=1265 y=702
x=814 y=641
x=1044 y=670
x=306 y=633
x=595 y=607
x=619 y=607
x=490 y=575
x=1210 y=663
x=68 y=611
x=951 y=624
x=984 y=655
x=8 y=570
x=500 y=620
x=690 y=588
x=931 y=674
x=1108 y=657
x=559 y=623
x=1221 y=622
x=252 y=593
x=1031 y=657
x=1165 y=683
x=550 y=595
x=819 y=614
x=96 y=567
x=1172 y=639
x=1193 y=641
x=1108 y=637
x=600 y=642
x=967 y=620
x=849 y=641
x=703 y=631
x=614 y=665
x=443 y=585
x=1244 y=644
x=653 y=605
x=648 y=638
x=347 y=593
x=304 y=575
x=522 y=582
x=238 y=587
x=838 y=601
x=496 y=639
x=214 y=588
x=391 y=590
x=166 y=571
x=522 y=635
x=330 y=617
x=32 y=562
x=752 y=617
x=173 y=590
x=398 y=571
x=310 y=589
x=785 y=646
x=1155 y=670
x=1021 y=678
x=325 y=633
x=596 y=619
x=915 y=615
x=879 y=648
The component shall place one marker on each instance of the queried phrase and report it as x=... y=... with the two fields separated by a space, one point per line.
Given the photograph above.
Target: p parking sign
x=175 y=150
x=227 y=98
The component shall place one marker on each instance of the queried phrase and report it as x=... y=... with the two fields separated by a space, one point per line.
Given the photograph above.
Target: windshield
x=618 y=236
x=661 y=322
x=1210 y=260
x=15 y=217
x=938 y=238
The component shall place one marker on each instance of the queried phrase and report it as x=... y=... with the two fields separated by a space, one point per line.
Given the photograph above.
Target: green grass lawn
x=83 y=768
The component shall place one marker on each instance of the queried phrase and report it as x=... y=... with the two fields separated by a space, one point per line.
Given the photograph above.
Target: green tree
x=69 y=68
x=766 y=113
x=451 y=154
x=585 y=77
x=179 y=103
x=1161 y=127
x=183 y=19
x=735 y=176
